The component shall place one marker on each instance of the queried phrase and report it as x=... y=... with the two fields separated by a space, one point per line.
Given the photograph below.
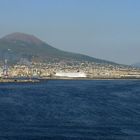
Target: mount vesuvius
x=20 y=45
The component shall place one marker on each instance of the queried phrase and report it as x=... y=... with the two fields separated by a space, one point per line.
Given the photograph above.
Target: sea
x=70 y=110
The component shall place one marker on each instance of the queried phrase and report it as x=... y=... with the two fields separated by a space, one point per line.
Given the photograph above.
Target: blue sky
x=107 y=29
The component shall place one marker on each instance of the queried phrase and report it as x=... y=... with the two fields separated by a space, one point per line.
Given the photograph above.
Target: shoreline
x=34 y=80
x=11 y=80
x=90 y=79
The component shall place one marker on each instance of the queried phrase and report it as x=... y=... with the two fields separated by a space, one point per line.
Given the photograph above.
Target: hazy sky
x=107 y=29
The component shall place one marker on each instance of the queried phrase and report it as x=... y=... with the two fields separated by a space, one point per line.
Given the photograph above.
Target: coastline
x=11 y=80
x=87 y=78
x=34 y=80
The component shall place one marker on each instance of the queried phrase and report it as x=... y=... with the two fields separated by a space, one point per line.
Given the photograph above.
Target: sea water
x=70 y=110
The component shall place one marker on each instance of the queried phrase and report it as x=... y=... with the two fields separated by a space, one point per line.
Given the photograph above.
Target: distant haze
x=106 y=29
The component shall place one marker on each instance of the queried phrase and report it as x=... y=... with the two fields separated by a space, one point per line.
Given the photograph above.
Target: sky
x=106 y=29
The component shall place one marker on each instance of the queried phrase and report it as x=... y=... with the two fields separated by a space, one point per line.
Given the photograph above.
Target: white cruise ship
x=71 y=74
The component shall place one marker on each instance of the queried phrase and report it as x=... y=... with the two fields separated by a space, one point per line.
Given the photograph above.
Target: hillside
x=19 y=45
x=137 y=65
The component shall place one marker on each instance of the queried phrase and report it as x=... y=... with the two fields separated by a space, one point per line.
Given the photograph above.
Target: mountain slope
x=136 y=65
x=19 y=45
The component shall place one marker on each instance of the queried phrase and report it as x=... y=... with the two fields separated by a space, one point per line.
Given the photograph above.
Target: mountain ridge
x=23 y=45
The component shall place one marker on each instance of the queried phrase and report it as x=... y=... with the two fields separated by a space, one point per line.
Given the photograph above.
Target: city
x=68 y=70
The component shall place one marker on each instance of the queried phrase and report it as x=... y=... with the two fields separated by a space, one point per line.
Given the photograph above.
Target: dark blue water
x=70 y=110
